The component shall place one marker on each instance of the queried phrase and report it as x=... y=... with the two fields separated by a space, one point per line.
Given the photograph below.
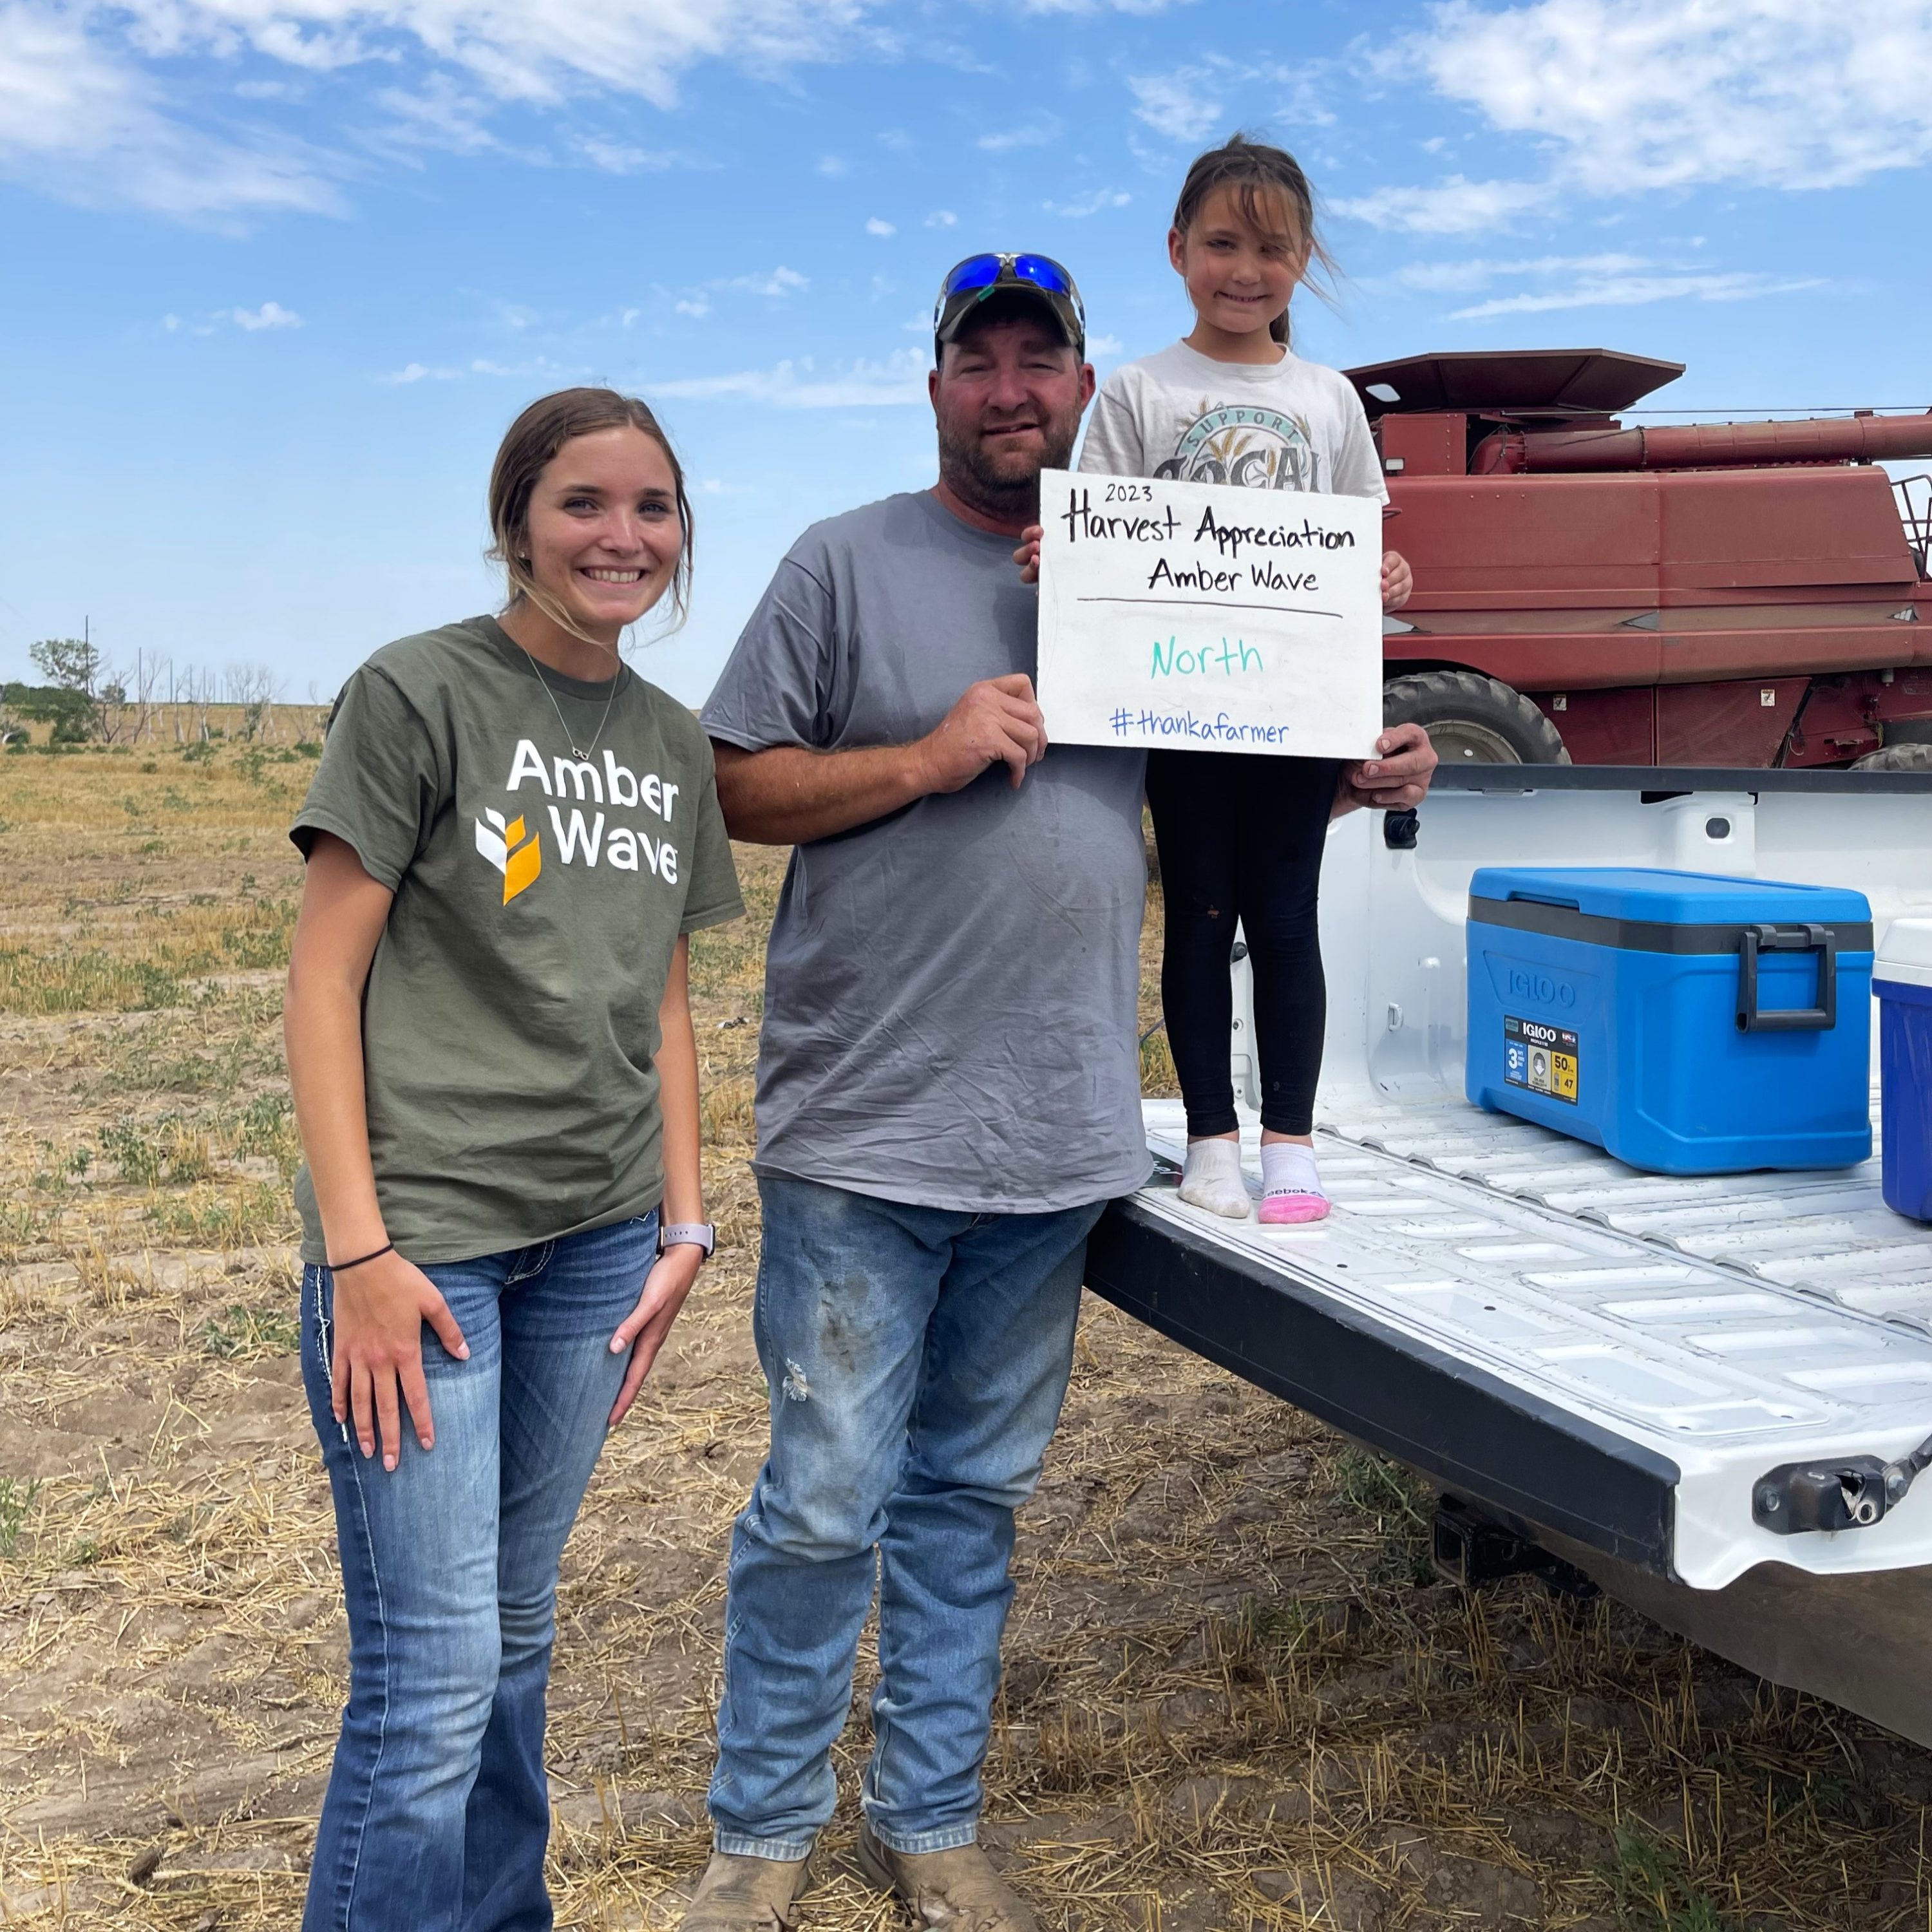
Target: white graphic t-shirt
x=1285 y=425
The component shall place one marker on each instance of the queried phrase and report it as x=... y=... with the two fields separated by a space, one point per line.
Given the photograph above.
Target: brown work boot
x=745 y=1895
x=957 y=1888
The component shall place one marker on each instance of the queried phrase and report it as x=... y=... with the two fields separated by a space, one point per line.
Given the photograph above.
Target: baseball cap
x=980 y=277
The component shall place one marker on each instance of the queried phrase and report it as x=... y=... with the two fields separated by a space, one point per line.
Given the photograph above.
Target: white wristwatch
x=687 y=1234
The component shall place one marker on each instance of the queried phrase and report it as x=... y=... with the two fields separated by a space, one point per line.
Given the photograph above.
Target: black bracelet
x=342 y=1267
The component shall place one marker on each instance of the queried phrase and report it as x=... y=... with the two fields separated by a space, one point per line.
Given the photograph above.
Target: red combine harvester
x=1710 y=594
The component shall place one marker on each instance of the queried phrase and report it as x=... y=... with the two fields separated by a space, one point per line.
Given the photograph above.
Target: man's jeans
x=917 y=1359
x=438 y=1811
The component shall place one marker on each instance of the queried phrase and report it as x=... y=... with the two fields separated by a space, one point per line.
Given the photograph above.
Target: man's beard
x=981 y=480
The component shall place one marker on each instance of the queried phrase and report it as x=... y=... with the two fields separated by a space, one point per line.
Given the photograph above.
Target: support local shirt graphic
x=1245 y=444
x=515 y=847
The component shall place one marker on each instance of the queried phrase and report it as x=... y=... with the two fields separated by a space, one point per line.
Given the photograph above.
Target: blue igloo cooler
x=1688 y=1023
x=1902 y=979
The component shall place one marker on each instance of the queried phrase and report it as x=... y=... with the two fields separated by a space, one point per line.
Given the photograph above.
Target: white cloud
x=942 y=218
x=833 y=166
x=1089 y=204
x=84 y=114
x=620 y=158
x=1462 y=278
x=875 y=226
x=698 y=307
x=425 y=372
x=781 y=281
x=1104 y=345
x=1634 y=291
x=270 y=315
x=1176 y=105
x=1033 y=134
x=798 y=385
x=1626 y=95
x=1456 y=206
x=81 y=121
x=1540 y=284
x=1140 y=7
x=439 y=114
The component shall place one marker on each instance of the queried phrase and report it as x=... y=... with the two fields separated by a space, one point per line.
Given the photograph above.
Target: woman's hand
x=1028 y=556
x=1398 y=580
x=380 y=1308
x=644 y=1330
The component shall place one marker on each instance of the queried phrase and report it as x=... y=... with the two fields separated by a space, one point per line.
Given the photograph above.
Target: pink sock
x=1291 y=1185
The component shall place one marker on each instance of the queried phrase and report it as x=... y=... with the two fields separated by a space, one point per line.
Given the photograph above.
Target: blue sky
x=278 y=272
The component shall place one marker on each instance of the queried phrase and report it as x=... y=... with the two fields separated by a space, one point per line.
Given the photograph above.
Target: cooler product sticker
x=1542 y=1059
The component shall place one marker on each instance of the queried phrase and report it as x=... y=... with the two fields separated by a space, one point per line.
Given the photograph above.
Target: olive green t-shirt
x=510 y=1024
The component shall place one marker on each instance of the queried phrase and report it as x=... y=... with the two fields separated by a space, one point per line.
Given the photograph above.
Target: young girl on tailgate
x=1240 y=836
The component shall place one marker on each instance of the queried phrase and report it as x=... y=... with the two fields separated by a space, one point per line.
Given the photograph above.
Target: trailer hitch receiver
x=1469 y=1549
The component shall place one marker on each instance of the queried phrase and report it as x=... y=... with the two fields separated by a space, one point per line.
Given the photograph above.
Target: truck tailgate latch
x=1833 y=1493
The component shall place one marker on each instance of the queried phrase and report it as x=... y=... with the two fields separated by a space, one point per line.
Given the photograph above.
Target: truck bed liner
x=1613 y=1355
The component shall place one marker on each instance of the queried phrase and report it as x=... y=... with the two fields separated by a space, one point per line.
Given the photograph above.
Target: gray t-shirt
x=949 y=992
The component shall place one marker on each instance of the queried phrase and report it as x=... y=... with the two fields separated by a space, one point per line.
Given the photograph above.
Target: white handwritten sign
x=1197 y=616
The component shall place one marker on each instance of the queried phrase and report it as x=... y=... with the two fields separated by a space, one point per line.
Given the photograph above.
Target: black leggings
x=1240 y=838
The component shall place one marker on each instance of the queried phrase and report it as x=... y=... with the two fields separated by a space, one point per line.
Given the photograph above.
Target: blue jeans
x=917 y=1359
x=438 y=1809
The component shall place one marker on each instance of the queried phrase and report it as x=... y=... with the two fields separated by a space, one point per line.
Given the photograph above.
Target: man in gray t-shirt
x=950 y=989
x=948 y=1094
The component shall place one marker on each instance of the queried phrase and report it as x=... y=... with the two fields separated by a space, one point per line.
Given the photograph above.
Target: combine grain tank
x=1708 y=594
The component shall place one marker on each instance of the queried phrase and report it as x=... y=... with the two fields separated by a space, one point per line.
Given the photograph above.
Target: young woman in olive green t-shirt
x=509 y=837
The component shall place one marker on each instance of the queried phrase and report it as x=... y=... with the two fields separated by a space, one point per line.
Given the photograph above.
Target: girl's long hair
x=1272 y=194
x=529 y=446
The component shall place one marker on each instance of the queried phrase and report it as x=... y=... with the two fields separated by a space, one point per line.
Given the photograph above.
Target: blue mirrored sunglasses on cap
x=972 y=280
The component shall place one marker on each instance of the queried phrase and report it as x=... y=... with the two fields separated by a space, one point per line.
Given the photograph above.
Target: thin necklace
x=581 y=753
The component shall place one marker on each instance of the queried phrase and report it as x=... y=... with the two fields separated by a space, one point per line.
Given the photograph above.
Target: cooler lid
x=1648 y=909
x=1906 y=957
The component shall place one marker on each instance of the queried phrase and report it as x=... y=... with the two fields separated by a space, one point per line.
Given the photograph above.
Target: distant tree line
x=87 y=700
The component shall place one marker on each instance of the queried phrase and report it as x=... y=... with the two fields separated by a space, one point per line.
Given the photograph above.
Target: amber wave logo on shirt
x=512 y=848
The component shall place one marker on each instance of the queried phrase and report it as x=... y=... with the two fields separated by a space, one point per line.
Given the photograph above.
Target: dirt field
x=1233 y=1698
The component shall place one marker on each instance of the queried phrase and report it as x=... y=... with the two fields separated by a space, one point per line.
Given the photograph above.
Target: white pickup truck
x=1608 y=1373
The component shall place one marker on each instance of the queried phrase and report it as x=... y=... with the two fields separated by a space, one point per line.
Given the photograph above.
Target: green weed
x=1401 y=1507
x=22 y=1225
x=168 y=1150
x=143 y=1068
x=267 y=1129
x=240 y=1219
x=16 y=1499
x=241 y=1332
x=1649 y=1892
x=67 y=982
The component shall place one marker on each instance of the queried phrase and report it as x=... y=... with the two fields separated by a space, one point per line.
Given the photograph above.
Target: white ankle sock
x=1289 y=1168
x=1211 y=1180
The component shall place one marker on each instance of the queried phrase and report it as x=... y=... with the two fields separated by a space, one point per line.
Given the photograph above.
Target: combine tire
x=1896 y=758
x=1473 y=720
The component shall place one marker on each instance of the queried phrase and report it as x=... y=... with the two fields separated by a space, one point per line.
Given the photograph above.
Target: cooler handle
x=1819 y=939
x=1546 y=898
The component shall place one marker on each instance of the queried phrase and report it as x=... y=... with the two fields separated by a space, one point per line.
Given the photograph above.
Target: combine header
x=1708 y=594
